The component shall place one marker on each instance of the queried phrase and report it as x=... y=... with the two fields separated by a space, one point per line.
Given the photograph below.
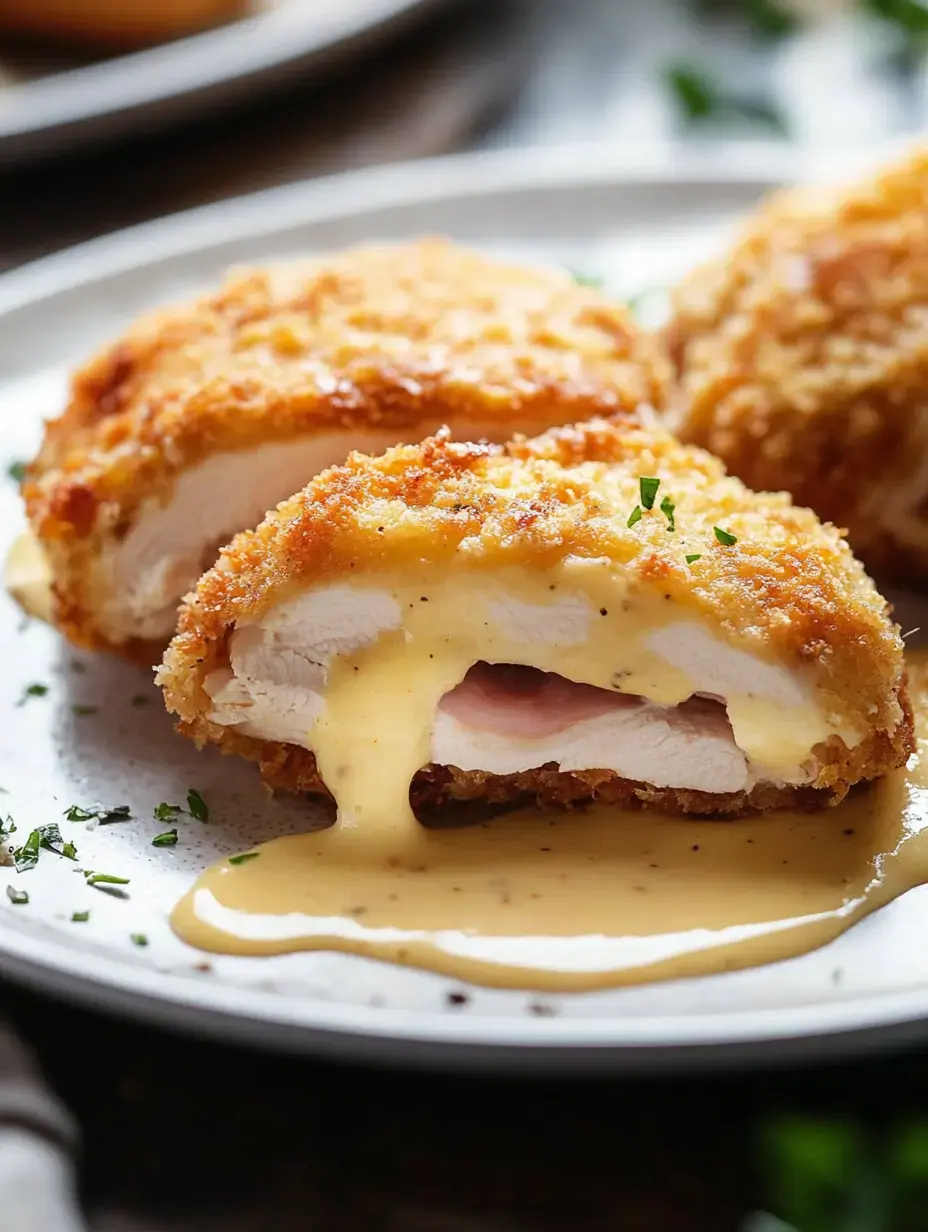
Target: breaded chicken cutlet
x=803 y=359
x=597 y=614
x=204 y=417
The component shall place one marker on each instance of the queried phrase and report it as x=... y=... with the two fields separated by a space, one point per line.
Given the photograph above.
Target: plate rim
x=427 y=1036
x=220 y=57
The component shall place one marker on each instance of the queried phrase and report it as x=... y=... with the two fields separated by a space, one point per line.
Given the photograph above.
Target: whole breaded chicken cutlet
x=599 y=613
x=205 y=416
x=802 y=354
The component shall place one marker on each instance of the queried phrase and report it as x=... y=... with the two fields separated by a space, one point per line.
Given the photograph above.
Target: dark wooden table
x=181 y=1134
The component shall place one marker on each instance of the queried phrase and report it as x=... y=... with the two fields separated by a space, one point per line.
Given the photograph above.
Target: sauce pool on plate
x=582 y=900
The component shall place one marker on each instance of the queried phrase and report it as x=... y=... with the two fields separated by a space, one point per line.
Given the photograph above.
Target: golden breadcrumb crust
x=802 y=355
x=788 y=590
x=397 y=338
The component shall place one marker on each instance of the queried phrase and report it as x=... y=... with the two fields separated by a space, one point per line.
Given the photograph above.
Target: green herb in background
x=835 y=1176
x=138 y=939
x=165 y=811
x=7 y=827
x=17 y=471
x=244 y=857
x=81 y=710
x=910 y=16
x=700 y=98
x=586 y=280
x=770 y=18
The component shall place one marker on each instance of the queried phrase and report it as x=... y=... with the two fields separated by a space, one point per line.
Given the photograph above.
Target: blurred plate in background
x=43 y=111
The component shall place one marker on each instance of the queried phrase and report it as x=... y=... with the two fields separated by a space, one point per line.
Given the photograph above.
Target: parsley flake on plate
x=197 y=806
x=80 y=917
x=94 y=879
x=725 y=536
x=42 y=837
x=244 y=857
x=168 y=839
x=18 y=898
x=98 y=812
x=32 y=690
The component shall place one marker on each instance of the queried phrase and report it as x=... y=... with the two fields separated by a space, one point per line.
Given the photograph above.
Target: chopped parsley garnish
x=168 y=839
x=648 y=487
x=244 y=857
x=667 y=508
x=164 y=812
x=586 y=280
x=47 y=837
x=18 y=897
x=634 y=516
x=80 y=917
x=694 y=556
x=32 y=690
x=138 y=939
x=27 y=856
x=7 y=827
x=140 y=699
x=79 y=709
x=197 y=806
x=725 y=536
x=94 y=879
x=98 y=812
x=17 y=471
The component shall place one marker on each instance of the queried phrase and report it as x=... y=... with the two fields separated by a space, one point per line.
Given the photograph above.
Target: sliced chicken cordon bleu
x=599 y=613
x=204 y=417
x=802 y=354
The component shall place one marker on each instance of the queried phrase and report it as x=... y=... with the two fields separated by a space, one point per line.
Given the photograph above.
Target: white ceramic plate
x=586 y=209
x=41 y=114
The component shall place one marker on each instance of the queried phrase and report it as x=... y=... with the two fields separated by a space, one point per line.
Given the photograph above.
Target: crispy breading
x=400 y=338
x=788 y=589
x=802 y=355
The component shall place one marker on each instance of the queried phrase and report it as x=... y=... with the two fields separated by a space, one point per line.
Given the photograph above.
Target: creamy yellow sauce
x=573 y=901
x=380 y=702
x=27 y=577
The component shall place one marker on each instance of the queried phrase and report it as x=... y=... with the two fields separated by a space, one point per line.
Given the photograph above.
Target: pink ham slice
x=511 y=700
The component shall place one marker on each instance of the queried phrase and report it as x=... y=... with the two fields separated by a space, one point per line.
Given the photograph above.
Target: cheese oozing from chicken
x=378 y=679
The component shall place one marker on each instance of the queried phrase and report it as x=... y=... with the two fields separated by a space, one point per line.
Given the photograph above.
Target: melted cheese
x=27 y=576
x=377 y=661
